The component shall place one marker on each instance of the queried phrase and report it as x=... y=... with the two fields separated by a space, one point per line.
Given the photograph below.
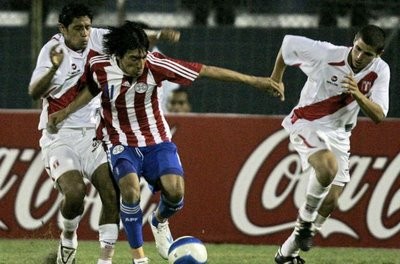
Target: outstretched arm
x=262 y=83
x=81 y=100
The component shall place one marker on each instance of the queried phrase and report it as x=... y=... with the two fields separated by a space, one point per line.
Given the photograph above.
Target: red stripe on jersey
x=56 y=104
x=140 y=111
x=334 y=103
x=123 y=117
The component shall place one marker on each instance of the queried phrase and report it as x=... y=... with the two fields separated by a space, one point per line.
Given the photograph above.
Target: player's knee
x=76 y=194
x=173 y=188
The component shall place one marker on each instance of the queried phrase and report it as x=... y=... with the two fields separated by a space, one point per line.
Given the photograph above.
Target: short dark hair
x=373 y=36
x=74 y=10
x=129 y=36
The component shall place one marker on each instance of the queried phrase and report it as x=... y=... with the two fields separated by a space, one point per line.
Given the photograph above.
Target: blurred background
x=243 y=35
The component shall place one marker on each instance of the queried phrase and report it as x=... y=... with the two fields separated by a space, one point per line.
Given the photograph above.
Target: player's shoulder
x=380 y=65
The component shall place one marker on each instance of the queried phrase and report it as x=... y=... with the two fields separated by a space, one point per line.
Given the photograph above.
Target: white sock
x=315 y=196
x=71 y=243
x=108 y=235
x=289 y=247
x=319 y=221
x=144 y=260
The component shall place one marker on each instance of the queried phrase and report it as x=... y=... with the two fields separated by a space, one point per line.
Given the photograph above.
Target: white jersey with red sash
x=322 y=101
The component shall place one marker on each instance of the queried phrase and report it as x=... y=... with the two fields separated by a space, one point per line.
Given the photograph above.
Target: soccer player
x=72 y=154
x=134 y=128
x=341 y=81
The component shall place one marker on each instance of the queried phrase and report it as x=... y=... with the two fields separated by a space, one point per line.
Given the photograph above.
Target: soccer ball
x=187 y=250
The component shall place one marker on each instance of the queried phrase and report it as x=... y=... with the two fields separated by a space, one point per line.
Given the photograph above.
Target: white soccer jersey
x=322 y=101
x=131 y=108
x=65 y=84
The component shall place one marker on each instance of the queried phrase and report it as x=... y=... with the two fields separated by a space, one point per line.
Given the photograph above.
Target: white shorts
x=307 y=140
x=72 y=149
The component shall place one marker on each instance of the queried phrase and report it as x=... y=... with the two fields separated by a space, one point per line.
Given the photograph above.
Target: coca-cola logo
x=353 y=193
x=34 y=192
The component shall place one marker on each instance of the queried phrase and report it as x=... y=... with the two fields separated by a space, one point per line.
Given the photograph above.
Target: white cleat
x=162 y=236
x=65 y=255
x=144 y=260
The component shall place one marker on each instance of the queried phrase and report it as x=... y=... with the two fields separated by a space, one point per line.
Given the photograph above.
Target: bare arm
x=40 y=87
x=278 y=71
x=262 y=83
x=369 y=108
x=81 y=100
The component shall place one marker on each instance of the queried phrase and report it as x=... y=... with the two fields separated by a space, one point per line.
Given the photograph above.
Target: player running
x=341 y=81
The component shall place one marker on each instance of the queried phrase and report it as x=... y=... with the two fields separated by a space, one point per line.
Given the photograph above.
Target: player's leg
x=63 y=166
x=329 y=204
x=73 y=188
x=125 y=163
x=167 y=175
x=109 y=218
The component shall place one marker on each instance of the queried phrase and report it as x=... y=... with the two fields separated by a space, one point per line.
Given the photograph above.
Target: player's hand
x=56 y=118
x=349 y=85
x=272 y=87
x=169 y=35
x=56 y=56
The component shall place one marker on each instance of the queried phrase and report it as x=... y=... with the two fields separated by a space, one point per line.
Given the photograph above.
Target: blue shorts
x=148 y=162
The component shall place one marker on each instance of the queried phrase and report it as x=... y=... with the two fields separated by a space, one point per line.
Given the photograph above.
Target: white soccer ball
x=187 y=250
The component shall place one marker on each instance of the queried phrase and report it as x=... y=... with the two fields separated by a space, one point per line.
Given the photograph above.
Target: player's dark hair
x=129 y=36
x=74 y=10
x=373 y=36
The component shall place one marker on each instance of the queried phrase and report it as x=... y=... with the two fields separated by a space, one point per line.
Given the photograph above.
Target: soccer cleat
x=304 y=233
x=162 y=236
x=144 y=260
x=279 y=259
x=65 y=255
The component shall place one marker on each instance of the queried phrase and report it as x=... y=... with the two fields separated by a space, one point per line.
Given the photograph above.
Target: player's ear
x=61 y=28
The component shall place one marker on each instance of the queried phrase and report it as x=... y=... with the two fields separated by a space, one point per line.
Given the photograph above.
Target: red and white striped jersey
x=131 y=108
x=322 y=100
x=65 y=84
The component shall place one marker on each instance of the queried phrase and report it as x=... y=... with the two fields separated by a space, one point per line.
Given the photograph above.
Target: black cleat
x=304 y=233
x=279 y=259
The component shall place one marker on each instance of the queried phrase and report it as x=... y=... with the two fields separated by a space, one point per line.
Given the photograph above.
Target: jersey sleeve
x=44 y=63
x=173 y=70
x=304 y=52
x=380 y=89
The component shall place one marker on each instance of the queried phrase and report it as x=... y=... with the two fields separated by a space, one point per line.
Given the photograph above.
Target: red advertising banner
x=243 y=183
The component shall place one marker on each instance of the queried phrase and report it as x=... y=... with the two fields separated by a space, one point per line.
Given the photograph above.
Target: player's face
x=132 y=63
x=179 y=103
x=361 y=55
x=77 y=33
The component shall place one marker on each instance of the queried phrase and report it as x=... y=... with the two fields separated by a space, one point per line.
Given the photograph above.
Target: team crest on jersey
x=117 y=149
x=366 y=86
x=140 y=87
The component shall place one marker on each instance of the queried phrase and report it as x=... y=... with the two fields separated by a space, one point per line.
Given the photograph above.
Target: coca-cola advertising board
x=244 y=183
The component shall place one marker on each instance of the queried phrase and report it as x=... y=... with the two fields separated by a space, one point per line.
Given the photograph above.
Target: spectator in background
x=358 y=10
x=178 y=101
x=224 y=11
